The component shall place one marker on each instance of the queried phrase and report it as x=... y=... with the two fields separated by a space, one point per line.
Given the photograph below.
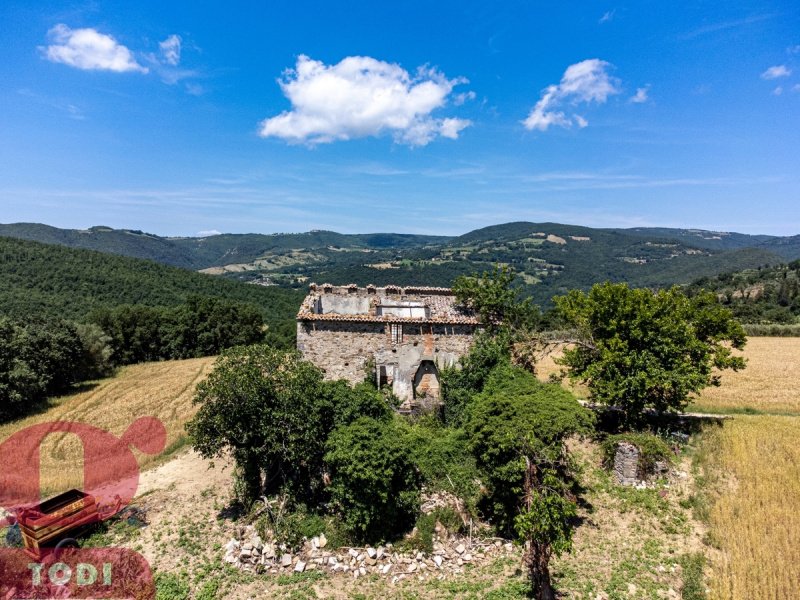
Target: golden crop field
x=768 y=383
x=163 y=390
x=755 y=516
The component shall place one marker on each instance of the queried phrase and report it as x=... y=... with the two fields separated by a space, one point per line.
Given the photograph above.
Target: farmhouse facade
x=404 y=336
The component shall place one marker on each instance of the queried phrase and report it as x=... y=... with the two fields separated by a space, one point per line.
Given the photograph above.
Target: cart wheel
x=65 y=544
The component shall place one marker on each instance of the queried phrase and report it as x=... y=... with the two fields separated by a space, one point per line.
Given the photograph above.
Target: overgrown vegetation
x=651 y=448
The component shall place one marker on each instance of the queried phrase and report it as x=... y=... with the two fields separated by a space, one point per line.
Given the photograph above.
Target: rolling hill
x=551 y=258
x=50 y=280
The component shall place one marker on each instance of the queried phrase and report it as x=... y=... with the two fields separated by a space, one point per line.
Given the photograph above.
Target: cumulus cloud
x=584 y=82
x=776 y=72
x=89 y=49
x=171 y=50
x=641 y=95
x=361 y=97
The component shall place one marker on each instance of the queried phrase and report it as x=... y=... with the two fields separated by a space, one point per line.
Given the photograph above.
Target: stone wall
x=342 y=349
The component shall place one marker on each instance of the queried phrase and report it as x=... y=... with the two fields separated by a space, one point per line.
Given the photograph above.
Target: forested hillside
x=758 y=296
x=55 y=281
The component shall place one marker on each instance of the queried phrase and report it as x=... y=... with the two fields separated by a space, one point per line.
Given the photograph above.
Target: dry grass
x=163 y=390
x=768 y=383
x=755 y=518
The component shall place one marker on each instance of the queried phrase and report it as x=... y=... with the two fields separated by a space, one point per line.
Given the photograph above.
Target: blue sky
x=429 y=117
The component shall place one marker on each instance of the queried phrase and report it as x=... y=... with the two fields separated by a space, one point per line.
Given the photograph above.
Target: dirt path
x=185 y=474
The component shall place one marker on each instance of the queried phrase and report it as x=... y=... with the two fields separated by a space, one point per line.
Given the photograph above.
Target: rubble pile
x=450 y=555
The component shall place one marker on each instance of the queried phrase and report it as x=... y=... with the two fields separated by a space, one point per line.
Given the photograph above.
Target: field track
x=163 y=390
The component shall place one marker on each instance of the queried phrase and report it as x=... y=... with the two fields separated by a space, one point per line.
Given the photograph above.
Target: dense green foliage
x=764 y=296
x=374 y=483
x=641 y=350
x=40 y=358
x=459 y=384
x=202 y=326
x=493 y=298
x=274 y=412
x=444 y=460
x=54 y=281
x=517 y=416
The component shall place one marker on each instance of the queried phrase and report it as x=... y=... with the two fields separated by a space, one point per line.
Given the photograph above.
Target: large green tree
x=274 y=413
x=637 y=349
x=517 y=428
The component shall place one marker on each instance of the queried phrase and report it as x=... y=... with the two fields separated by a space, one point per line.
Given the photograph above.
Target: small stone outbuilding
x=405 y=335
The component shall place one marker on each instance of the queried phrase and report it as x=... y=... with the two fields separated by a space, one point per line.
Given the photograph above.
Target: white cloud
x=793 y=49
x=796 y=87
x=776 y=72
x=641 y=95
x=361 y=97
x=89 y=49
x=607 y=17
x=584 y=82
x=460 y=99
x=208 y=233
x=777 y=91
x=171 y=49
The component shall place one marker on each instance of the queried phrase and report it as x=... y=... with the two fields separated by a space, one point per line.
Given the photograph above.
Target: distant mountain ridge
x=551 y=258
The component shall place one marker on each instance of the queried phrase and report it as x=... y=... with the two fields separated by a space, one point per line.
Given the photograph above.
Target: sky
x=187 y=118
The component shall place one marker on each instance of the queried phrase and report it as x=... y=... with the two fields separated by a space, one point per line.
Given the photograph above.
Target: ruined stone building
x=403 y=335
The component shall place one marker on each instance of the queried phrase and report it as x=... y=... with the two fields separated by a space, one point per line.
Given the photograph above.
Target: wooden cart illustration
x=55 y=523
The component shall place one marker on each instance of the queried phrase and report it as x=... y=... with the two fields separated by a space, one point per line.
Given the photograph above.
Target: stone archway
x=426 y=381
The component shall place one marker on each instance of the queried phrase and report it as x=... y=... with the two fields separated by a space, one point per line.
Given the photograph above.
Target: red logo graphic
x=111 y=476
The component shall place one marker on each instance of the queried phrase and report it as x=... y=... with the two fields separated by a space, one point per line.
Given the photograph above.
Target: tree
x=492 y=296
x=517 y=428
x=374 y=482
x=637 y=349
x=274 y=413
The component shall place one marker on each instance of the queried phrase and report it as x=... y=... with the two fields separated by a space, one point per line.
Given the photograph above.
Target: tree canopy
x=637 y=349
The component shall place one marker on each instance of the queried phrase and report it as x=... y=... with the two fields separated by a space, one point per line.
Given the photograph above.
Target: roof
x=440 y=305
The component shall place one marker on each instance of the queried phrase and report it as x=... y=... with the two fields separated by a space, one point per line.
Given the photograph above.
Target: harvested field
x=163 y=390
x=767 y=384
x=754 y=517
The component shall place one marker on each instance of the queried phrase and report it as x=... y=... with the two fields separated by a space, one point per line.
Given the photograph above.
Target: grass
x=767 y=384
x=754 y=515
x=163 y=390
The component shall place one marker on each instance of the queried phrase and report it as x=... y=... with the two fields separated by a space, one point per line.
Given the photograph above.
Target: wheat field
x=754 y=518
x=163 y=390
x=768 y=383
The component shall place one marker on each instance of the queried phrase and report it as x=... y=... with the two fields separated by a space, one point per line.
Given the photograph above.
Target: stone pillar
x=626 y=464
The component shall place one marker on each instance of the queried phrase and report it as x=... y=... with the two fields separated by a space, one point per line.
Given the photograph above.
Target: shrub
x=374 y=484
x=445 y=462
x=275 y=413
x=514 y=416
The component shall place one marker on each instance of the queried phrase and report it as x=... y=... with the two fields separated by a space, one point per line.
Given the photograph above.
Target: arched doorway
x=426 y=381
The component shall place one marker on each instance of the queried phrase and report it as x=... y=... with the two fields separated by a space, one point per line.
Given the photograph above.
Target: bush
x=514 y=416
x=374 y=484
x=460 y=383
x=651 y=449
x=445 y=462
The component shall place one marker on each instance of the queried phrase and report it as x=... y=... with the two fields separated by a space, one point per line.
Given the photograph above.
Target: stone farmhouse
x=405 y=334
